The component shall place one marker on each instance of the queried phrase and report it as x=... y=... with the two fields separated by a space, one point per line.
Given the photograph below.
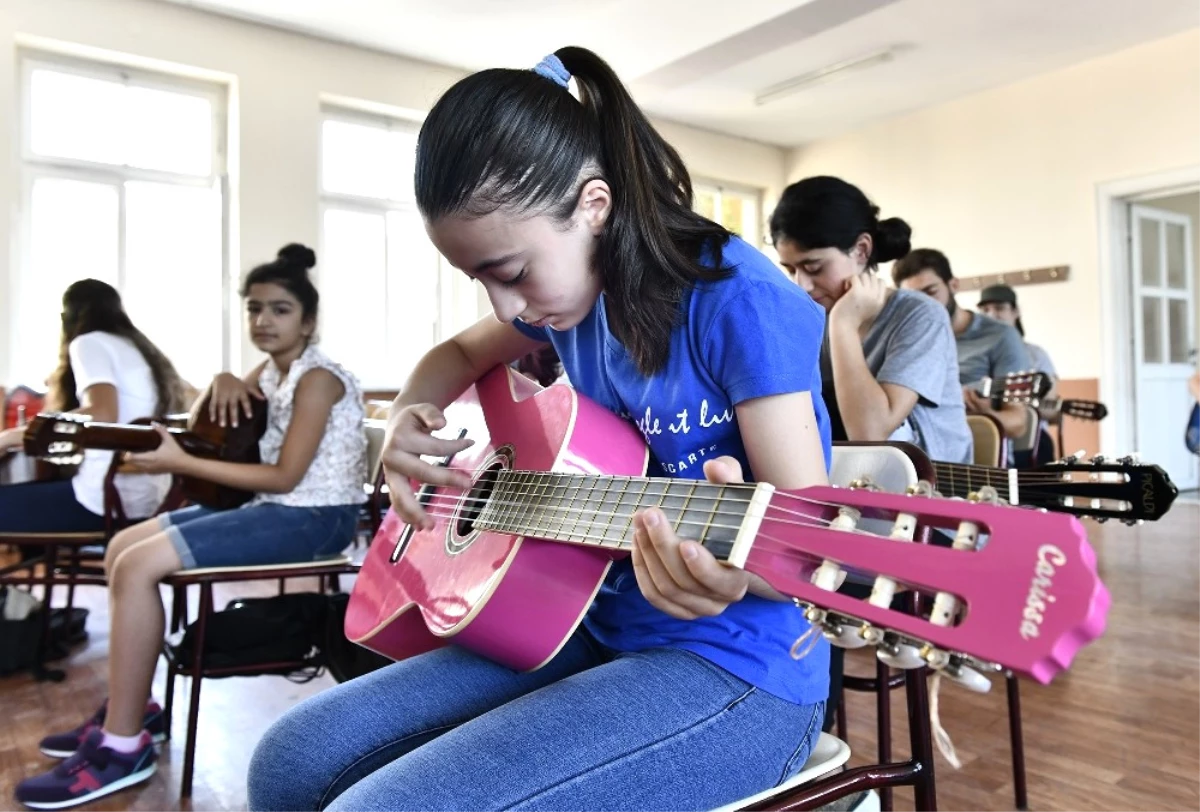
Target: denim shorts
x=259 y=534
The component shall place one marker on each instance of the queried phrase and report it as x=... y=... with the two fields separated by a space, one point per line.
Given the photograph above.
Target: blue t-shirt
x=749 y=335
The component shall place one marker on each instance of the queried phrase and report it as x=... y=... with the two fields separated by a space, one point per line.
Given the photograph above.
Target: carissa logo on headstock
x=1050 y=558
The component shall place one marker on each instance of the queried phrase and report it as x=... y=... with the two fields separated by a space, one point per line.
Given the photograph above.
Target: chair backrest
x=989 y=440
x=885 y=465
x=1029 y=437
x=379 y=409
x=374 y=429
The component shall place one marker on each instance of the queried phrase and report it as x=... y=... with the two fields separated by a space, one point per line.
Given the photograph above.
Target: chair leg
x=1018 y=743
x=920 y=737
x=189 y=748
x=72 y=574
x=40 y=672
x=841 y=716
x=169 y=699
x=883 y=721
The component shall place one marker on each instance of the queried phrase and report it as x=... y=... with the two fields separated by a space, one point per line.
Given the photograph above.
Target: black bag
x=344 y=659
x=282 y=634
x=19 y=638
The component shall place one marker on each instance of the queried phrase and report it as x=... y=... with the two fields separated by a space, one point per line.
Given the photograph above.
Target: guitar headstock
x=1083 y=409
x=1101 y=488
x=1019 y=589
x=53 y=436
x=1017 y=387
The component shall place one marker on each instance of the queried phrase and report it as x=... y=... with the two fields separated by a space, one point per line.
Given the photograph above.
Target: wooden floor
x=1119 y=731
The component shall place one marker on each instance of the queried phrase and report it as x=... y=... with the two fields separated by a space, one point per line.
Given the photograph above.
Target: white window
x=123 y=178
x=736 y=208
x=385 y=297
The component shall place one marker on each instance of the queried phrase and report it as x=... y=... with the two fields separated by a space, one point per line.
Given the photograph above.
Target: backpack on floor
x=281 y=634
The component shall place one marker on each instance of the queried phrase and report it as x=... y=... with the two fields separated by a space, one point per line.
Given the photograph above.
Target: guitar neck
x=956 y=479
x=125 y=437
x=598 y=510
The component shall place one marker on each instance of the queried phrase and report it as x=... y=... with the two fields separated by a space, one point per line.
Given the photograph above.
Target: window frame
x=34 y=166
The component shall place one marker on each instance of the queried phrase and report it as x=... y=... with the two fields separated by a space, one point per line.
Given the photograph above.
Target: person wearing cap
x=1000 y=302
x=987 y=348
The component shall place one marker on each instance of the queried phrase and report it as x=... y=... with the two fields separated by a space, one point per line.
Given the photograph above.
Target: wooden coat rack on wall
x=1033 y=276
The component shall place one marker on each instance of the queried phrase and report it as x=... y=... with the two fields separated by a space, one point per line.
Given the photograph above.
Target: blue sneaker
x=93 y=772
x=64 y=745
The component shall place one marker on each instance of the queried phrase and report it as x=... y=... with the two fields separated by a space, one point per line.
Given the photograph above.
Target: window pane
x=1176 y=256
x=171 y=132
x=173 y=274
x=73 y=235
x=107 y=122
x=412 y=293
x=75 y=117
x=706 y=203
x=354 y=293
x=367 y=161
x=1152 y=330
x=1151 y=274
x=731 y=213
x=1177 y=327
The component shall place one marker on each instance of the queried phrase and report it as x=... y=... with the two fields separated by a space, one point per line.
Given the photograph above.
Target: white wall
x=277 y=80
x=1006 y=179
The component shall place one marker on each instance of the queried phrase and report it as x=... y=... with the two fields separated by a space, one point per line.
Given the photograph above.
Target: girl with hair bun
x=308 y=489
x=889 y=366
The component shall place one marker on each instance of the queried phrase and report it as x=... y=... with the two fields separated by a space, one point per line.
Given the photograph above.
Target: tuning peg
x=968 y=677
x=1101 y=519
x=1099 y=459
x=1071 y=459
x=843 y=632
x=1130 y=459
x=1134 y=522
x=899 y=655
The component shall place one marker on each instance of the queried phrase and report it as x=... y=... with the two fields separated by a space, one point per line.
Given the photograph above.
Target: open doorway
x=1151 y=289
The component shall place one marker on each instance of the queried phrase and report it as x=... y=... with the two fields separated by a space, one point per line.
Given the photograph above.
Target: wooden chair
x=990 y=451
x=59 y=561
x=892 y=466
x=988 y=434
x=327 y=570
x=1025 y=447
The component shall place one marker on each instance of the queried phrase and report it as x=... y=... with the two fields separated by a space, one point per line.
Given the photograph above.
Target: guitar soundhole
x=477 y=499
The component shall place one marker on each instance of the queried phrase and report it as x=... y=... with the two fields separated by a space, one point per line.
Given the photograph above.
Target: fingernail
x=650 y=517
x=689 y=551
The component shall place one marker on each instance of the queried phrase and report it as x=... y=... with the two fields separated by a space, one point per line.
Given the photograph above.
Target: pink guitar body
x=1027 y=600
x=477 y=597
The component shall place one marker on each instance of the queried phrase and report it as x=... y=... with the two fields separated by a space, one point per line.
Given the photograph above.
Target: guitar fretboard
x=960 y=480
x=598 y=510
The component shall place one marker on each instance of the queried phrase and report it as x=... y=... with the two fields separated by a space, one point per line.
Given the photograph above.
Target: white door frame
x=1112 y=228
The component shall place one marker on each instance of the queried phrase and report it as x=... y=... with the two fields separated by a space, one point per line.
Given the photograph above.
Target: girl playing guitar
x=109 y=370
x=308 y=486
x=678 y=691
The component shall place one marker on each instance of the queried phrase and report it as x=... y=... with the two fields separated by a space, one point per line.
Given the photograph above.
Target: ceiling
x=702 y=62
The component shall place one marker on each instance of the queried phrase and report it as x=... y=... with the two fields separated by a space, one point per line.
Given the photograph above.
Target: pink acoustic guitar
x=513 y=564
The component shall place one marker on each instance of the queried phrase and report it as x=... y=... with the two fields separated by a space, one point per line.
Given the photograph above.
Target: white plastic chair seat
x=828 y=754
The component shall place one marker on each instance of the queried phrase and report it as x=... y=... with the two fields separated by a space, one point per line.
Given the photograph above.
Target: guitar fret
x=612 y=498
x=545 y=510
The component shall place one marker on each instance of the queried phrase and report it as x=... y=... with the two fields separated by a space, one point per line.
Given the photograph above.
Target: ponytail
x=518 y=140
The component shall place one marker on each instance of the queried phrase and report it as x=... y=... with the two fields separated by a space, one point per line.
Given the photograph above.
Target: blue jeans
x=45 y=507
x=592 y=729
x=259 y=534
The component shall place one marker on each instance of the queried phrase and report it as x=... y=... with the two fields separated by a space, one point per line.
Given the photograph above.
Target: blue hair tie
x=553 y=69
